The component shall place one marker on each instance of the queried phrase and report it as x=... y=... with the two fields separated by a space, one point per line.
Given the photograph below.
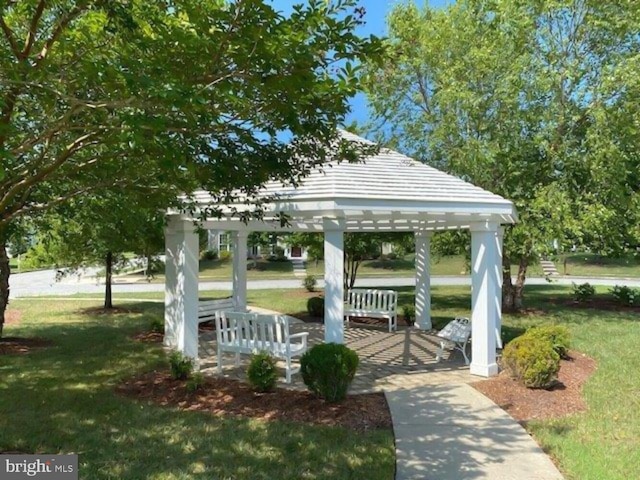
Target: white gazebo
x=387 y=192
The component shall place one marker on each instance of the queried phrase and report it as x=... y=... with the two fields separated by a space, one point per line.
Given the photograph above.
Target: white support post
x=423 y=280
x=240 y=270
x=181 y=287
x=485 y=295
x=499 y=244
x=333 y=280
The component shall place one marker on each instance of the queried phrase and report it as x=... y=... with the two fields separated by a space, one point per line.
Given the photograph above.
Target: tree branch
x=8 y=33
x=33 y=28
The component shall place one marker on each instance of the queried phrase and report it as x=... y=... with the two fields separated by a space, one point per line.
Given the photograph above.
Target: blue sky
x=377 y=11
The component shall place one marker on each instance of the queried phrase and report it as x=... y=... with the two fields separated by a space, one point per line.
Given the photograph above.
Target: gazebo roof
x=388 y=191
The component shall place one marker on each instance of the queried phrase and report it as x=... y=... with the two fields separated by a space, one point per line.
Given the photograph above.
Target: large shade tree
x=534 y=100
x=100 y=95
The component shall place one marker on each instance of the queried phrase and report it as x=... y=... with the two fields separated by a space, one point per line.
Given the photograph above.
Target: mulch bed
x=22 y=346
x=109 y=311
x=224 y=397
x=525 y=404
x=149 y=337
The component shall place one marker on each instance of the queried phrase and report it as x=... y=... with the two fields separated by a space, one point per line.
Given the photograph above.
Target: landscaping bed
x=224 y=397
x=22 y=346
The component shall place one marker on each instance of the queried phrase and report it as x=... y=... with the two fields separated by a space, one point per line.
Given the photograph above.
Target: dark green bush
x=583 y=292
x=262 y=373
x=315 y=307
x=310 y=283
x=157 y=325
x=557 y=335
x=409 y=314
x=195 y=382
x=210 y=254
x=181 y=365
x=328 y=370
x=532 y=360
x=625 y=295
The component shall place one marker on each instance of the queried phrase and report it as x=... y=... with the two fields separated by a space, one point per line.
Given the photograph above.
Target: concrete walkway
x=453 y=432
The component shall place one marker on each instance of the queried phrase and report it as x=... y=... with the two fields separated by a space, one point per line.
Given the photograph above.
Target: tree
x=531 y=100
x=103 y=96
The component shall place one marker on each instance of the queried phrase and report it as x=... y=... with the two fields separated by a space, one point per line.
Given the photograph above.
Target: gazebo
x=387 y=192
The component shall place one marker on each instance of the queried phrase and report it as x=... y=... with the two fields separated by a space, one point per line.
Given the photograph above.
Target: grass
x=61 y=400
x=589 y=264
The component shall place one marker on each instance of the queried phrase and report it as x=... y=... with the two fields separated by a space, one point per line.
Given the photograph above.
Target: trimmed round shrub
x=310 y=283
x=583 y=292
x=532 y=360
x=181 y=365
x=328 y=370
x=315 y=307
x=262 y=373
x=557 y=335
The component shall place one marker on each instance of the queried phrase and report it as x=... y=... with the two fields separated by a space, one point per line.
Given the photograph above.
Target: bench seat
x=455 y=334
x=372 y=303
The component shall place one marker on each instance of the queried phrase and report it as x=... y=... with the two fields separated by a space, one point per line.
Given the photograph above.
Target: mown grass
x=589 y=264
x=61 y=399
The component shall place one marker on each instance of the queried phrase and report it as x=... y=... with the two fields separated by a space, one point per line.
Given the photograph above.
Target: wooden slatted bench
x=207 y=308
x=248 y=333
x=456 y=333
x=374 y=304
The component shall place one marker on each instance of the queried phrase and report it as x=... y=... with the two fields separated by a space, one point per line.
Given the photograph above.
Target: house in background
x=222 y=242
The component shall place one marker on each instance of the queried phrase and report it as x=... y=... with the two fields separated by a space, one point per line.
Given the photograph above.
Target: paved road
x=43 y=282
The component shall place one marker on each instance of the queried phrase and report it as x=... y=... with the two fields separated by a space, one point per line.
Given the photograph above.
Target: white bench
x=456 y=333
x=207 y=308
x=372 y=303
x=248 y=333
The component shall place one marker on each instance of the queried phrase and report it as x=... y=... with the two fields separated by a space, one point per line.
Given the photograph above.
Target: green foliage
x=625 y=295
x=195 y=382
x=210 y=254
x=532 y=360
x=157 y=325
x=225 y=256
x=315 y=307
x=180 y=365
x=557 y=335
x=278 y=255
x=409 y=314
x=328 y=369
x=310 y=283
x=583 y=292
x=262 y=373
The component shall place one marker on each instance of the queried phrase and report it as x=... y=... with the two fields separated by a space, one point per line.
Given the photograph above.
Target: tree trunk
x=108 y=298
x=512 y=294
x=5 y=271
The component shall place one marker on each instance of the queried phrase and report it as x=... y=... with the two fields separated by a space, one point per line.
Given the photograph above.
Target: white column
x=240 y=270
x=181 y=287
x=333 y=280
x=499 y=244
x=485 y=295
x=423 y=280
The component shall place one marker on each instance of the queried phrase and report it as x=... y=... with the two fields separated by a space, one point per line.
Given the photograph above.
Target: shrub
x=392 y=256
x=195 y=382
x=625 y=295
x=181 y=365
x=315 y=307
x=557 y=335
x=211 y=254
x=157 y=325
x=328 y=370
x=409 y=313
x=532 y=360
x=262 y=372
x=225 y=256
x=310 y=283
x=584 y=292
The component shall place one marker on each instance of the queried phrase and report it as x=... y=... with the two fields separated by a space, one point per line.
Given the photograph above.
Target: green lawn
x=589 y=264
x=61 y=400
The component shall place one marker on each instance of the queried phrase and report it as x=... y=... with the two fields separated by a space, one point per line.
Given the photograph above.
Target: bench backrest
x=207 y=308
x=252 y=330
x=369 y=299
x=457 y=330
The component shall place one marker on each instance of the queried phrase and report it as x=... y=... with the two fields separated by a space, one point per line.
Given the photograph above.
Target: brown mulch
x=525 y=404
x=108 y=311
x=22 y=346
x=149 y=337
x=223 y=397
x=12 y=317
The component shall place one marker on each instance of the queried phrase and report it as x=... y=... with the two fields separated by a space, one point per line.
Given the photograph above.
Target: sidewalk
x=453 y=432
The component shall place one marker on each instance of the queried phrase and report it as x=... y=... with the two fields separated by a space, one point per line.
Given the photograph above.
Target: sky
x=376 y=15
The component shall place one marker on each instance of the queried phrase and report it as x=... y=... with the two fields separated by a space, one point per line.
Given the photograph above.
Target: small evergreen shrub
x=211 y=254
x=195 y=382
x=225 y=256
x=181 y=365
x=583 y=292
x=157 y=325
x=625 y=295
x=315 y=307
x=557 y=335
x=261 y=373
x=328 y=370
x=310 y=283
x=409 y=314
x=532 y=360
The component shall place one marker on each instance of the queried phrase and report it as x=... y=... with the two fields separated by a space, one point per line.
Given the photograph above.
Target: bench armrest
x=302 y=335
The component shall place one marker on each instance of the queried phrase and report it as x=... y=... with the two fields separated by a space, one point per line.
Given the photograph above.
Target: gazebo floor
x=388 y=361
